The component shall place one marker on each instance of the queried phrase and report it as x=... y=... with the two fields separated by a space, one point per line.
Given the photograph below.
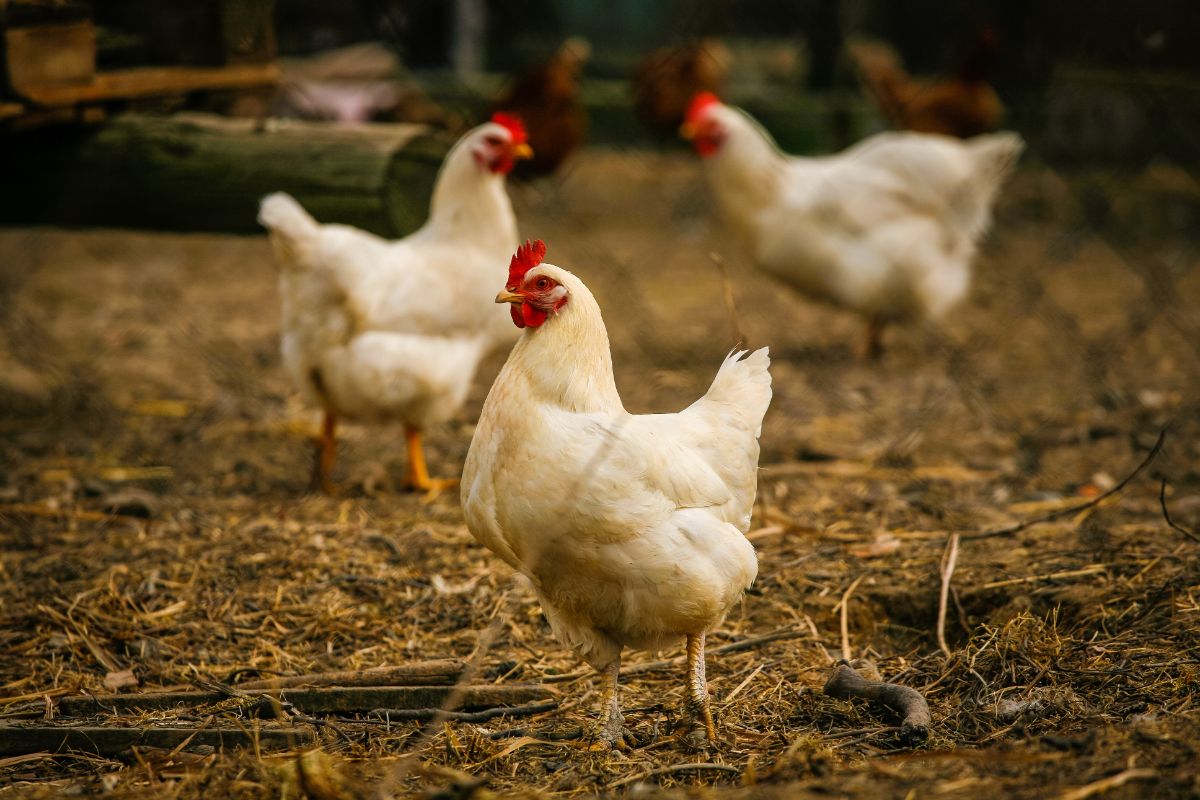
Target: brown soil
x=142 y=371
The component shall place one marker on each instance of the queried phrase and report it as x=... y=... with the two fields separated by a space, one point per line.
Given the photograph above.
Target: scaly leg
x=872 y=346
x=418 y=478
x=698 y=685
x=609 y=727
x=323 y=457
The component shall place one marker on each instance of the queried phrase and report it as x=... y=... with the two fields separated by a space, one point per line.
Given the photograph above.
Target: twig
x=1091 y=569
x=546 y=736
x=949 y=560
x=1075 y=509
x=1111 y=782
x=845 y=621
x=442 y=672
x=527 y=710
x=739 y=338
x=845 y=682
x=699 y=766
x=1162 y=501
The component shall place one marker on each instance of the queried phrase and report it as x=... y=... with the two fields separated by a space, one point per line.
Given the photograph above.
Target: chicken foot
x=323 y=457
x=697 y=702
x=609 y=729
x=417 y=479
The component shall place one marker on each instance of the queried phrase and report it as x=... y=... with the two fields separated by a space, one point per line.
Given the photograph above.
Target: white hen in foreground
x=378 y=330
x=630 y=527
x=887 y=228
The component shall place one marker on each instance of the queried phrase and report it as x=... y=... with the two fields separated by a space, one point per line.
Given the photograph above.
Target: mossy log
x=195 y=172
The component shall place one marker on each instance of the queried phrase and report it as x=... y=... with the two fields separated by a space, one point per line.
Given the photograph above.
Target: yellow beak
x=687 y=131
x=505 y=296
x=522 y=151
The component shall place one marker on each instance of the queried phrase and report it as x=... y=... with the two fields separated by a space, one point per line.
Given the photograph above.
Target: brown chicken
x=963 y=105
x=665 y=82
x=546 y=98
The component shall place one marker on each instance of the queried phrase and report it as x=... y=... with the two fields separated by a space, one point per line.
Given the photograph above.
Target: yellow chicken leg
x=418 y=479
x=698 y=685
x=323 y=456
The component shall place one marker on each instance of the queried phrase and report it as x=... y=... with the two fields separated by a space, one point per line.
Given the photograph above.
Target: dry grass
x=150 y=364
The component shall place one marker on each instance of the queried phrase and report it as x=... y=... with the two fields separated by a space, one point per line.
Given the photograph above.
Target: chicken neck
x=567 y=362
x=472 y=204
x=747 y=174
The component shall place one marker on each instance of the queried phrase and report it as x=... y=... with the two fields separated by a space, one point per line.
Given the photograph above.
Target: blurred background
x=152 y=452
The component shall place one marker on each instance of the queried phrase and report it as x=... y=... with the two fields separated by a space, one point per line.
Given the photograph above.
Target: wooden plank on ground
x=16 y=740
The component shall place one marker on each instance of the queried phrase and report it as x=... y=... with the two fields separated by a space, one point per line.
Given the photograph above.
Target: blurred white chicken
x=886 y=228
x=377 y=330
x=630 y=527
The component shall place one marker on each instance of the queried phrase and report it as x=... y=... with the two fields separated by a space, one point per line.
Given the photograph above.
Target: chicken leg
x=872 y=345
x=323 y=457
x=698 y=685
x=608 y=729
x=418 y=479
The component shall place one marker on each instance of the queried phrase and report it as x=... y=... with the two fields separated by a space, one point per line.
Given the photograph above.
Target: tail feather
x=290 y=225
x=744 y=386
x=996 y=155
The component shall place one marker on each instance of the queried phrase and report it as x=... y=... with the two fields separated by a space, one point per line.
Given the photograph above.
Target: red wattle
x=516 y=315
x=533 y=316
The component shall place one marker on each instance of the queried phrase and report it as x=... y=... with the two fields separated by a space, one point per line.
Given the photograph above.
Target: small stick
x=1075 y=509
x=845 y=621
x=739 y=338
x=949 y=560
x=1162 y=501
x=1111 y=782
x=1091 y=569
x=527 y=710
x=844 y=682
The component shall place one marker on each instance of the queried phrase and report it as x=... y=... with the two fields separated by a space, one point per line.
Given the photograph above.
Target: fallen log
x=318 y=700
x=114 y=742
x=199 y=172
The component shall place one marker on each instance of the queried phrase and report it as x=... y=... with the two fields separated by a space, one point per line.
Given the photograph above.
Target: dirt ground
x=142 y=371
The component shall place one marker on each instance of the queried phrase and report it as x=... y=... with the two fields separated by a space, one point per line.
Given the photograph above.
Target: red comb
x=513 y=124
x=699 y=103
x=528 y=256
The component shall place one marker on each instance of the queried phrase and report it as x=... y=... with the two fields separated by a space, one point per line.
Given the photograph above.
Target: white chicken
x=630 y=527
x=378 y=330
x=886 y=228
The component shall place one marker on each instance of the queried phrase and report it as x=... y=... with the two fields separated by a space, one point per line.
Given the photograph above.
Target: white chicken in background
x=630 y=527
x=887 y=228
x=378 y=330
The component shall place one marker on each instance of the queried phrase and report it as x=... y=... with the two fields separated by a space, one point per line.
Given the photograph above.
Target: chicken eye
x=542 y=283
x=493 y=140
